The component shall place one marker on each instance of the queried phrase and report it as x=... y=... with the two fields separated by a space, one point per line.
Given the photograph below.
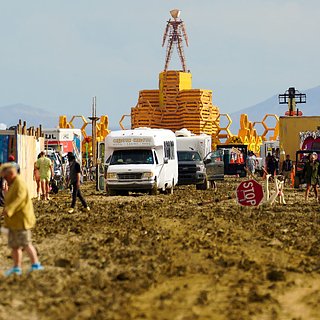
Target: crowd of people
x=310 y=172
x=18 y=212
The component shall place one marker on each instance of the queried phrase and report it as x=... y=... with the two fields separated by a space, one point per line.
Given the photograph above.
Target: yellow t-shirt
x=44 y=165
x=19 y=207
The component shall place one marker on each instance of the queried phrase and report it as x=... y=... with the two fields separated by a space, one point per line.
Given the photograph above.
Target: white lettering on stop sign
x=247 y=193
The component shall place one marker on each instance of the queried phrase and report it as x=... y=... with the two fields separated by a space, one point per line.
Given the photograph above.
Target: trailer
x=234 y=158
x=189 y=141
x=64 y=141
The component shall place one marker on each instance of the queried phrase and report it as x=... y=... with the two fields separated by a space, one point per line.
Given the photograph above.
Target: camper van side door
x=169 y=155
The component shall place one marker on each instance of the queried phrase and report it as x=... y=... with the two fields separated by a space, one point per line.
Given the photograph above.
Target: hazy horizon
x=58 y=55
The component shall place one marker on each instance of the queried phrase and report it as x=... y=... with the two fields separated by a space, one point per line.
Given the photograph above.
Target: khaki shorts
x=19 y=238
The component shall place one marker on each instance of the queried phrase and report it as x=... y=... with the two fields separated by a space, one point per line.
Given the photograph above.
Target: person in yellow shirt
x=36 y=178
x=45 y=167
x=19 y=219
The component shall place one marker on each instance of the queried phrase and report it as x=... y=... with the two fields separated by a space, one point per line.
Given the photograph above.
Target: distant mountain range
x=11 y=114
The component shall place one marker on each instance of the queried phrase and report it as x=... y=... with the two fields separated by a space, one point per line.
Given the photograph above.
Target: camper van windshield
x=188 y=156
x=132 y=157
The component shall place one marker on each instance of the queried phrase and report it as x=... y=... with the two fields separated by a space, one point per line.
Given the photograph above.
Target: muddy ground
x=169 y=257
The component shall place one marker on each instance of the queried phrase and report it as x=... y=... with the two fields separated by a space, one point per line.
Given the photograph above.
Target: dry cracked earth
x=190 y=255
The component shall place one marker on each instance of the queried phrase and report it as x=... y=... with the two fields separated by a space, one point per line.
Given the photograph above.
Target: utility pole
x=94 y=119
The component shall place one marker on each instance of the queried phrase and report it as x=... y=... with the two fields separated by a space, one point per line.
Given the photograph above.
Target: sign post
x=249 y=193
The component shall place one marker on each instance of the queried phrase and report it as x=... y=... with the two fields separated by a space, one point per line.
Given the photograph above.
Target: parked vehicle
x=234 y=158
x=191 y=169
x=191 y=151
x=302 y=157
x=214 y=166
x=143 y=160
x=64 y=141
x=189 y=141
x=59 y=168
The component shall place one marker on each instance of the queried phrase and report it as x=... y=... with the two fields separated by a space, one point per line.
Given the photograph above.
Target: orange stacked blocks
x=176 y=105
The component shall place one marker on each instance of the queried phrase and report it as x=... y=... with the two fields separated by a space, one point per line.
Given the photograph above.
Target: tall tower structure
x=175 y=104
x=175 y=32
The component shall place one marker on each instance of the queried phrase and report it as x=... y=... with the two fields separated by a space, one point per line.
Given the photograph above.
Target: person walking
x=45 y=167
x=36 y=178
x=19 y=219
x=270 y=163
x=75 y=182
x=287 y=168
x=251 y=162
x=276 y=164
x=311 y=174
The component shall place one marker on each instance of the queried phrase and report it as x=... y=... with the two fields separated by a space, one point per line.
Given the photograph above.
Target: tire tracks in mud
x=167 y=257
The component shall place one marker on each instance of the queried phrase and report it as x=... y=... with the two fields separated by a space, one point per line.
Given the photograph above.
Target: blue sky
x=57 y=54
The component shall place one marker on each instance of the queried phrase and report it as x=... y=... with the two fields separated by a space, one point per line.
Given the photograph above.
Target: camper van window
x=121 y=157
x=169 y=150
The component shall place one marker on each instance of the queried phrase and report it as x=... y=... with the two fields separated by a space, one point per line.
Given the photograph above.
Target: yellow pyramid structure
x=175 y=105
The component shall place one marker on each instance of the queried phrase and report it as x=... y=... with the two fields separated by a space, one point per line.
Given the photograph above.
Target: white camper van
x=186 y=140
x=143 y=160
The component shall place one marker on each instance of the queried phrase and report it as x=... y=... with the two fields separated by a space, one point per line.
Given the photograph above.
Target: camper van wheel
x=154 y=191
x=123 y=193
x=111 y=193
x=170 y=190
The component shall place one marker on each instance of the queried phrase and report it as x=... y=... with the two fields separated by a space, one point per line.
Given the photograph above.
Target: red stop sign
x=249 y=193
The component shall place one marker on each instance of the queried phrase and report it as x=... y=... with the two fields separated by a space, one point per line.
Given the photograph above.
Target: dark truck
x=302 y=156
x=191 y=169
